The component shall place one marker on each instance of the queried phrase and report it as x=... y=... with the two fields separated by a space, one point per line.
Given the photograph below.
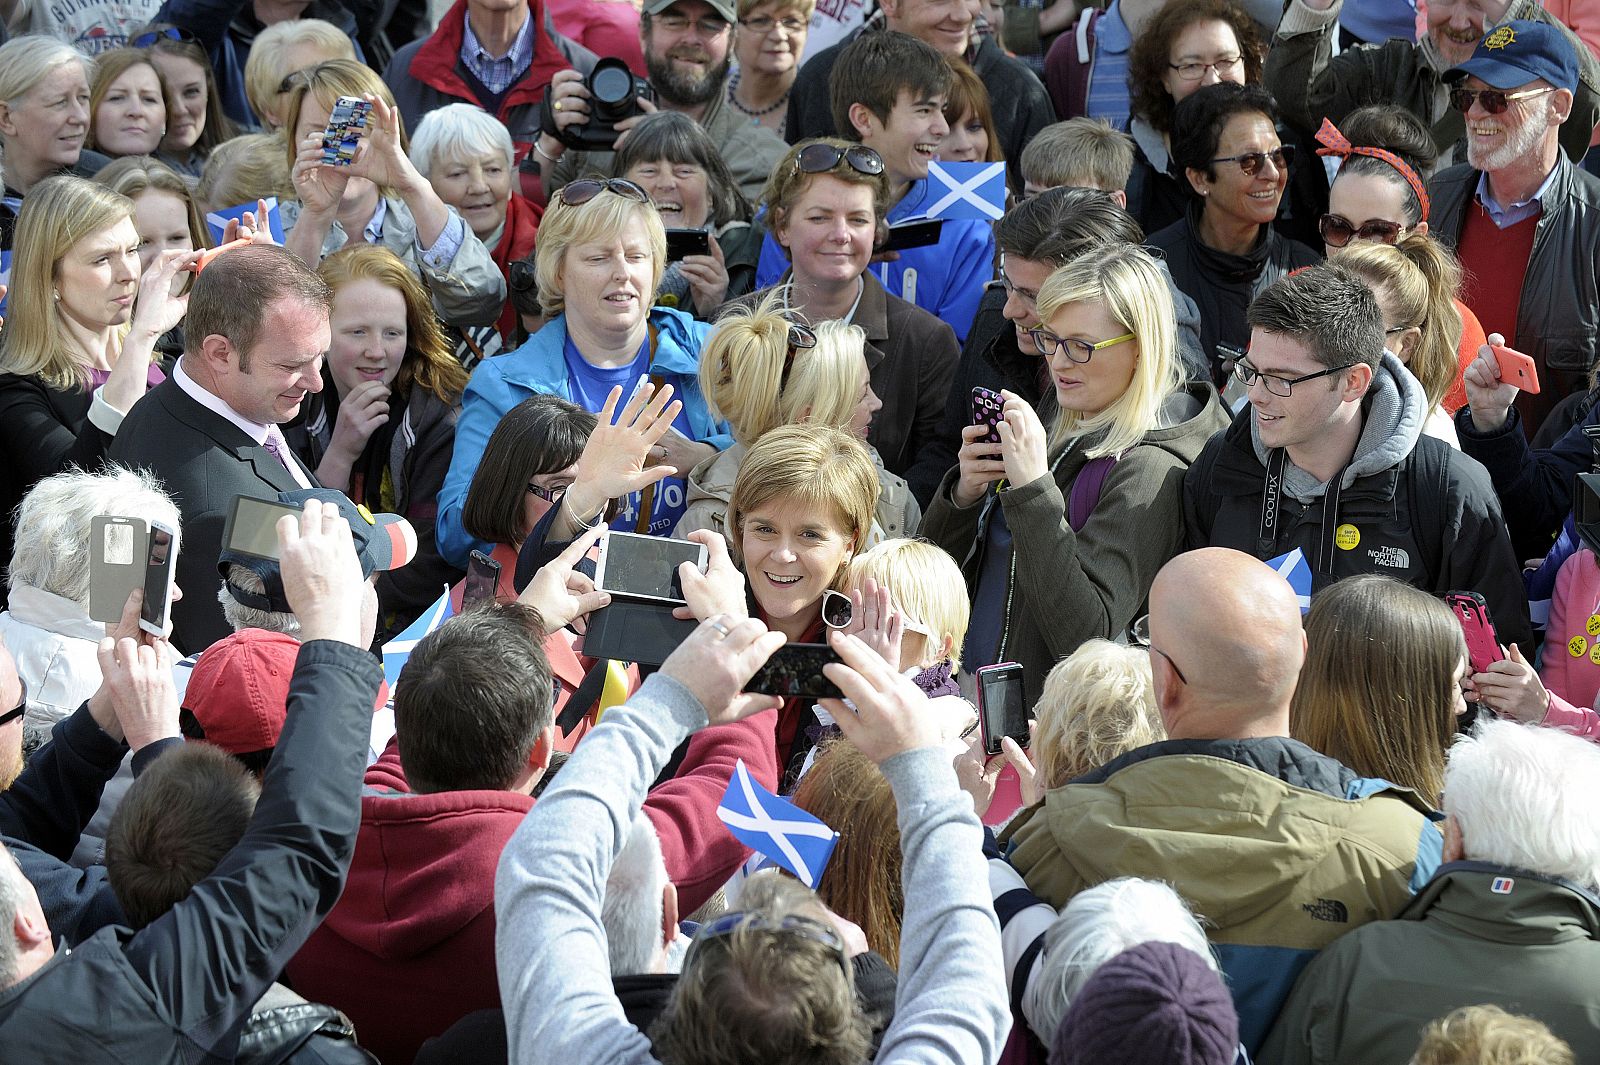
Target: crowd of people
x=1246 y=439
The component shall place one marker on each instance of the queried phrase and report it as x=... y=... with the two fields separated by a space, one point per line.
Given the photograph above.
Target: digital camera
x=614 y=94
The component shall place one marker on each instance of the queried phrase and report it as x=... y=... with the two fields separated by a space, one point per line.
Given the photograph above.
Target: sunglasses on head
x=170 y=33
x=577 y=193
x=801 y=338
x=1337 y=231
x=792 y=925
x=838 y=609
x=1251 y=162
x=821 y=158
x=293 y=80
x=1494 y=101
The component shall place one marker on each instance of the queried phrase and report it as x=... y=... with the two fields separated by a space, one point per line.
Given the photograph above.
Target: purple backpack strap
x=1086 y=490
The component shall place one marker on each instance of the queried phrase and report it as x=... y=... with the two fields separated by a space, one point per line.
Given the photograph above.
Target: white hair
x=26 y=61
x=1096 y=926
x=458 y=132
x=11 y=902
x=1522 y=797
x=631 y=910
x=51 y=548
x=238 y=616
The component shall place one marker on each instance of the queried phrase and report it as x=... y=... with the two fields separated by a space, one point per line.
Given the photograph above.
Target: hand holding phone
x=1483 y=645
x=483 y=579
x=1516 y=368
x=1002 y=706
x=988 y=407
x=795 y=671
x=346 y=126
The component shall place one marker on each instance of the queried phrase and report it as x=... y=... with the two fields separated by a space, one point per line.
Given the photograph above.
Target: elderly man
x=1281 y=848
x=1311 y=84
x=1524 y=221
x=1510 y=918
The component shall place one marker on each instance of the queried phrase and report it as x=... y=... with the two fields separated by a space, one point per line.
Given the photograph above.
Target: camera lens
x=611 y=85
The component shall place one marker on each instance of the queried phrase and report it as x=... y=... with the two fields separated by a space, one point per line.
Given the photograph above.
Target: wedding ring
x=557 y=105
x=717 y=624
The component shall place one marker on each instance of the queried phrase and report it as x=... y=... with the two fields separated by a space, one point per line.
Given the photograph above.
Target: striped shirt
x=1108 y=81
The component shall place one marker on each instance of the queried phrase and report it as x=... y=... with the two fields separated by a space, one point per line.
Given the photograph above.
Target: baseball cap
x=1519 y=52
x=238 y=693
x=725 y=8
x=382 y=542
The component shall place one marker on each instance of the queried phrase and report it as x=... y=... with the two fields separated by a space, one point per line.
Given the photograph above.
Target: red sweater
x=409 y=948
x=1494 y=262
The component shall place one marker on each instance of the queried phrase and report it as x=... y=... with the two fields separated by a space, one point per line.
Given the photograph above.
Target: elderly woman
x=467 y=156
x=601 y=253
x=769 y=45
x=44 y=119
x=281 y=52
x=1225 y=250
x=195 y=120
x=380 y=198
x=672 y=158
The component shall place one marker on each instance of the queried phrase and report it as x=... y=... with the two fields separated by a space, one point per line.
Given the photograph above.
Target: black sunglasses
x=801 y=338
x=170 y=33
x=577 y=193
x=1494 y=101
x=1251 y=162
x=1337 y=231
x=821 y=158
x=21 y=707
x=293 y=80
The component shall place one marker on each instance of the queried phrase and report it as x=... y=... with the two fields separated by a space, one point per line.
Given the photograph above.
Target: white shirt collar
x=193 y=389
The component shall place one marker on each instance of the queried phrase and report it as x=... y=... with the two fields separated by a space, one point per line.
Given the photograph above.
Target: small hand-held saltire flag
x=1294 y=569
x=218 y=220
x=776 y=827
x=398 y=650
x=967 y=190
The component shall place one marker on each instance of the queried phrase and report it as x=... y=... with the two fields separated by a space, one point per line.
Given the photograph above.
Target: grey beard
x=685 y=90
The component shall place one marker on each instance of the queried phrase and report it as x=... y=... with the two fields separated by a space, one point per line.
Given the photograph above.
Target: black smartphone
x=159 y=563
x=685 y=242
x=1002 y=708
x=795 y=671
x=252 y=527
x=483 y=579
x=918 y=234
x=987 y=408
x=644 y=567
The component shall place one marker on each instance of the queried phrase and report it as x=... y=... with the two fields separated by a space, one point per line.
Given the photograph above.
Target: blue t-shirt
x=590 y=386
x=1108 y=78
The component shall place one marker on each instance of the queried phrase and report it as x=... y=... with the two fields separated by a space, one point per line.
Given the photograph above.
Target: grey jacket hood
x=1395 y=412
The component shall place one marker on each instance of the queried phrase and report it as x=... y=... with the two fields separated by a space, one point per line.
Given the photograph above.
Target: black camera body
x=614 y=94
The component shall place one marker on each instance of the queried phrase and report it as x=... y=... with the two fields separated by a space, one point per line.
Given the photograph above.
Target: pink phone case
x=987 y=408
x=1483 y=646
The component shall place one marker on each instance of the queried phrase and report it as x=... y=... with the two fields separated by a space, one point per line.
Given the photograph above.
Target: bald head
x=1228 y=643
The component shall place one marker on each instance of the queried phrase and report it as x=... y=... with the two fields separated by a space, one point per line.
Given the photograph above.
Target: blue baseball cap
x=1519 y=52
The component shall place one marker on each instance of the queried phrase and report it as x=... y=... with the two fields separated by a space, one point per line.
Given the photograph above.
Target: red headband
x=1338 y=144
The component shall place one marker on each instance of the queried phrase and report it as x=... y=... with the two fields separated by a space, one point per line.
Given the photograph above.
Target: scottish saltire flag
x=216 y=221
x=776 y=827
x=1294 y=569
x=967 y=190
x=398 y=650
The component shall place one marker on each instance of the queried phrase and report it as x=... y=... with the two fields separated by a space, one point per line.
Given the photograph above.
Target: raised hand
x=1023 y=441
x=718 y=660
x=138 y=677
x=1488 y=397
x=616 y=459
x=720 y=590
x=321 y=574
x=560 y=593
x=875 y=620
x=890 y=714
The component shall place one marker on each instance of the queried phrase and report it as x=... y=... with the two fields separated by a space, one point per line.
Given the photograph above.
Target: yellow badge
x=361 y=508
x=1576 y=646
x=1347 y=537
x=1594 y=654
x=1593 y=625
x=1500 y=38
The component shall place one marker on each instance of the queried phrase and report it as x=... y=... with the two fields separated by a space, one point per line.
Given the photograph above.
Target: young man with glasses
x=1523 y=220
x=1329 y=458
x=688 y=49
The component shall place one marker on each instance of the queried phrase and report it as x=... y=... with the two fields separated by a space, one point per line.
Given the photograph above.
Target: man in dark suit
x=254 y=338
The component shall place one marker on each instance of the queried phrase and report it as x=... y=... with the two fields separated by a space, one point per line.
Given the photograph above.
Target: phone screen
x=645 y=566
x=157 y=580
x=795 y=671
x=483 y=579
x=1002 y=706
x=253 y=526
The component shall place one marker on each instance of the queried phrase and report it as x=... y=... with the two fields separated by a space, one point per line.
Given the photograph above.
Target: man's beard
x=1519 y=142
x=682 y=89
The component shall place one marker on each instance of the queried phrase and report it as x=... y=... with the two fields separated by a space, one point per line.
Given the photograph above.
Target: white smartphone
x=645 y=567
x=118 y=550
x=159 y=563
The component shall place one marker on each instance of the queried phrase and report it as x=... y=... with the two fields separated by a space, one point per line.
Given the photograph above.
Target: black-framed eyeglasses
x=820 y=158
x=549 y=495
x=1282 y=387
x=294 y=80
x=1013 y=289
x=791 y=925
x=1079 y=351
x=170 y=33
x=579 y=192
x=1158 y=651
x=1337 y=231
x=1494 y=101
x=676 y=21
x=1251 y=162
x=764 y=24
x=22 y=705
x=1195 y=71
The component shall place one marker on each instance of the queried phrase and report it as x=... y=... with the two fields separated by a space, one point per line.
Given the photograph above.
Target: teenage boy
x=889 y=92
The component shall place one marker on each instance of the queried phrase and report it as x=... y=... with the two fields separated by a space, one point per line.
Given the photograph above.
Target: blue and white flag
x=1294 y=569
x=967 y=190
x=398 y=650
x=776 y=827
x=217 y=221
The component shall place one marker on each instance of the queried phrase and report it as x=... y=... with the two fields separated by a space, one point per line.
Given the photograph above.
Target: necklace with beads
x=733 y=89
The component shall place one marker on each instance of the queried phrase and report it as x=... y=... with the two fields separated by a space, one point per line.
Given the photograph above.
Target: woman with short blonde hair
x=1098 y=704
x=279 y=53
x=1063 y=529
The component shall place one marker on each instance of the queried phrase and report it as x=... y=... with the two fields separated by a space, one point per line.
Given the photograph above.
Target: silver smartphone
x=645 y=567
x=159 y=563
x=119 y=548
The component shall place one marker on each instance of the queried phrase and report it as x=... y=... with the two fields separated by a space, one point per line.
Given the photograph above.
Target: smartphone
x=1586 y=509
x=252 y=526
x=159 y=563
x=1002 y=707
x=345 y=126
x=918 y=234
x=1516 y=368
x=987 y=407
x=1483 y=646
x=118 y=547
x=685 y=242
x=644 y=567
x=795 y=671
x=483 y=579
